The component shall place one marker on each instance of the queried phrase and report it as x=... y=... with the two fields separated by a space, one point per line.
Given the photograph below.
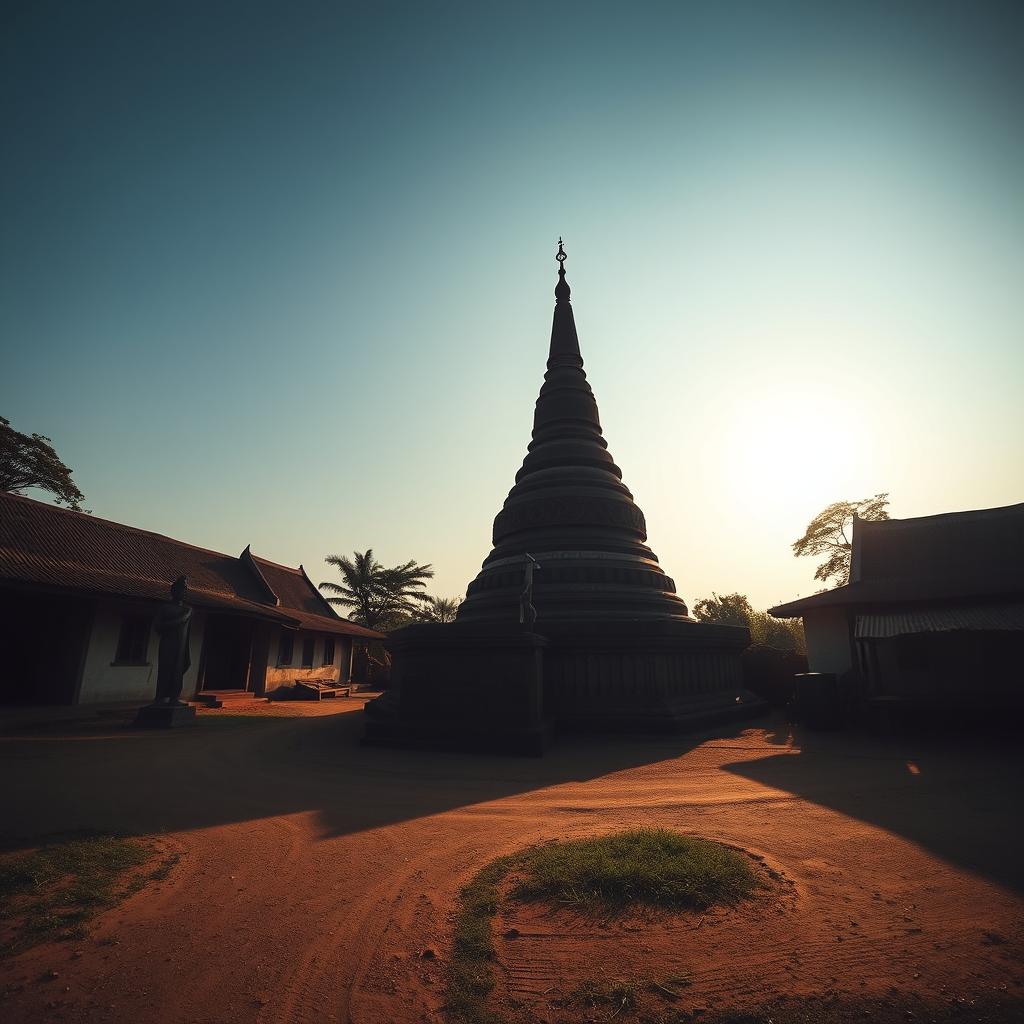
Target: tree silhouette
x=730 y=609
x=439 y=609
x=826 y=535
x=29 y=460
x=380 y=598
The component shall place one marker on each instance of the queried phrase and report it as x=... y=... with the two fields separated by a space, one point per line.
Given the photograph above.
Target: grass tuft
x=472 y=972
x=51 y=893
x=652 y=866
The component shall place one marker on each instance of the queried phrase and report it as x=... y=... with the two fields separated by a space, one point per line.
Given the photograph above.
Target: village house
x=77 y=600
x=933 y=615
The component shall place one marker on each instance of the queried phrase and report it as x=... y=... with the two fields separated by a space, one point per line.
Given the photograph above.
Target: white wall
x=284 y=675
x=102 y=680
x=828 y=640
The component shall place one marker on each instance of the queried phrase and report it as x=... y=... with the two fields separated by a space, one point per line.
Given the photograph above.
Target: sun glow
x=792 y=453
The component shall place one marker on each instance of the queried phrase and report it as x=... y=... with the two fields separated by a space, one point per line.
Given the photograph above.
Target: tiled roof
x=904 y=591
x=300 y=598
x=45 y=546
x=974 y=545
x=951 y=557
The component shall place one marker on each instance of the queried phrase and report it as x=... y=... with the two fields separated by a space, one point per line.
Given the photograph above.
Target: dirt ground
x=317 y=878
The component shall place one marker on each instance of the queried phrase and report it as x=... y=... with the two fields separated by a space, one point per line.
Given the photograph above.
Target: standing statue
x=173 y=626
x=527 y=613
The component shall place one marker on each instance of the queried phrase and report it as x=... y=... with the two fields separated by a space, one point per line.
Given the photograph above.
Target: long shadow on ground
x=957 y=795
x=235 y=769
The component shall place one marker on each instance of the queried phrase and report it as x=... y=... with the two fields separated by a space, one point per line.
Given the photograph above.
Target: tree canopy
x=29 y=460
x=736 y=610
x=728 y=610
x=439 y=609
x=826 y=535
x=380 y=598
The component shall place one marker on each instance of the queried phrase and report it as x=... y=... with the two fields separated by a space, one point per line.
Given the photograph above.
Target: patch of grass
x=472 y=973
x=619 y=995
x=652 y=866
x=52 y=892
x=622 y=995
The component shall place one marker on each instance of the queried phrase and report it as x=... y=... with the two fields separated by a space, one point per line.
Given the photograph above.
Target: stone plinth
x=463 y=687
x=646 y=676
x=165 y=716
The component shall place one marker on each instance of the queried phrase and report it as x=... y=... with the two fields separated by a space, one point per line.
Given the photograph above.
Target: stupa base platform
x=657 y=675
x=478 y=687
x=455 y=687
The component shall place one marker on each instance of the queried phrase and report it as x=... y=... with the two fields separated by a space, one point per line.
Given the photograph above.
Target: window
x=329 y=651
x=285 y=649
x=307 y=651
x=133 y=640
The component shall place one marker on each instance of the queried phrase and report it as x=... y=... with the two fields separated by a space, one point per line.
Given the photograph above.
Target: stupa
x=571 y=622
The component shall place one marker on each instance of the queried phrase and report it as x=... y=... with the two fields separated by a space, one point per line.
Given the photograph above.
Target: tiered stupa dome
x=570 y=510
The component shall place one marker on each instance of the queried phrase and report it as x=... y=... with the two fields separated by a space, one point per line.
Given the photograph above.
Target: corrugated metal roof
x=941 y=620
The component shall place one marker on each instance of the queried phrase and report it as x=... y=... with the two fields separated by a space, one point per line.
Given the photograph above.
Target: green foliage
x=652 y=866
x=29 y=460
x=826 y=535
x=736 y=610
x=381 y=598
x=472 y=973
x=439 y=609
x=782 y=634
x=728 y=610
x=51 y=892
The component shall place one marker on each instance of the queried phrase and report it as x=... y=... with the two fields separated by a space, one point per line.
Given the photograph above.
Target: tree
x=381 y=598
x=439 y=609
x=729 y=610
x=29 y=460
x=826 y=535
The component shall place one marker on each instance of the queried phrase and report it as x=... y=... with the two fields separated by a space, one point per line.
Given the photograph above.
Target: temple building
x=78 y=595
x=571 y=622
x=932 y=618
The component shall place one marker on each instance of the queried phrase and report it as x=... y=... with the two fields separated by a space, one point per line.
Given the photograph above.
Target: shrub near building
x=777 y=648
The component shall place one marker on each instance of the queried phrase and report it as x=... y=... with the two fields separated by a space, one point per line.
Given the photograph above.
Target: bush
x=768 y=672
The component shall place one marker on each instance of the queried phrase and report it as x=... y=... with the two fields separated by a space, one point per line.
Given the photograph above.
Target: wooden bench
x=316 y=690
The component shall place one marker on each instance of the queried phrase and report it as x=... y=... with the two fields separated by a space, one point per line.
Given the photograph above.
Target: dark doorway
x=227 y=647
x=44 y=644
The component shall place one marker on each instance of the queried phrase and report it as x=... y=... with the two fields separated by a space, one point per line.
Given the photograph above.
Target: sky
x=281 y=274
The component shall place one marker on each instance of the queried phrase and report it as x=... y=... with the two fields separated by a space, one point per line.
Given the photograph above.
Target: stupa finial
x=562 y=288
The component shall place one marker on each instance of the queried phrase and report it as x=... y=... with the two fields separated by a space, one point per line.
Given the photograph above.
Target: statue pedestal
x=165 y=716
x=457 y=687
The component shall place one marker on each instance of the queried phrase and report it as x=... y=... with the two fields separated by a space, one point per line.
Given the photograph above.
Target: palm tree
x=380 y=598
x=439 y=609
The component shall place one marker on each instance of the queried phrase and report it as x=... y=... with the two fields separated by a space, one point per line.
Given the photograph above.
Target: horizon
x=288 y=282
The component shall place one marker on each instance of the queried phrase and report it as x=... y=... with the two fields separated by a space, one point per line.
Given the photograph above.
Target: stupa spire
x=562 y=288
x=565 y=345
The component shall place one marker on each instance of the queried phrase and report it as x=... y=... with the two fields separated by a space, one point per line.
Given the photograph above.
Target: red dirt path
x=314 y=873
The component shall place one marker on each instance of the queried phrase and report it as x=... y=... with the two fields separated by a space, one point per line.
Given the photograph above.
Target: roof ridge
x=316 y=590
x=979 y=513
x=277 y=565
x=89 y=517
x=248 y=559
